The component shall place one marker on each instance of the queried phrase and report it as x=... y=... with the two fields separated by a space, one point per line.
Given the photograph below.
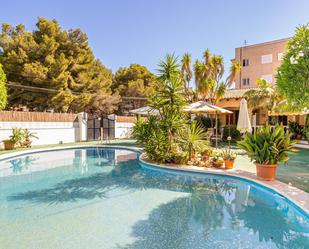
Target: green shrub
x=268 y=146
x=3 y=92
x=142 y=129
x=295 y=128
x=206 y=122
x=234 y=133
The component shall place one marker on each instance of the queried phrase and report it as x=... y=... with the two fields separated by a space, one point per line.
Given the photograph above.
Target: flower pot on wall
x=266 y=172
x=8 y=144
x=229 y=164
x=217 y=164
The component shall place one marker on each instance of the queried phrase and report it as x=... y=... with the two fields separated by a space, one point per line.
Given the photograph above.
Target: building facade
x=259 y=61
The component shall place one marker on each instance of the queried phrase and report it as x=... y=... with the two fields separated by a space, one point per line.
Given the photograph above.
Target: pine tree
x=52 y=58
x=3 y=97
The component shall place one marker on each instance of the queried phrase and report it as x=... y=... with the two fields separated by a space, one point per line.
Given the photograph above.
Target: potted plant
x=8 y=144
x=217 y=160
x=206 y=153
x=296 y=130
x=267 y=147
x=15 y=139
x=27 y=135
x=229 y=158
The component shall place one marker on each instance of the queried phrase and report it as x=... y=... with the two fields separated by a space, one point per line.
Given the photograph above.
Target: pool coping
x=297 y=196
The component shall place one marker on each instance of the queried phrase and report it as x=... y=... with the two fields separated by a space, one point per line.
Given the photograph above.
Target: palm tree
x=186 y=71
x=265 y=97
x=208 y=77
x=168 y=67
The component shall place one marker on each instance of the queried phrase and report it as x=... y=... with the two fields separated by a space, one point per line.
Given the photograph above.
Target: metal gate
x=101 y=128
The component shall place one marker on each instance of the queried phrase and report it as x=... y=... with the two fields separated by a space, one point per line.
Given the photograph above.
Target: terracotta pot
x=229 y=164
x=204 y=157
x=8 y=145
x=218 y=164
x=266 y=172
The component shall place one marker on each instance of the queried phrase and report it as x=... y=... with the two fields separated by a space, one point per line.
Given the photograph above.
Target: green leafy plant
x=234 y=133
x=217 y=156
x=228 y=154
x=268 y=146
x=295 y=128
x=293 y=77
x=142 y=129
x=159 y=134
x=207 y=122
x=306 y=129
x=17 y=136
x=3 y=92
x=26 y=138
x=192 y=139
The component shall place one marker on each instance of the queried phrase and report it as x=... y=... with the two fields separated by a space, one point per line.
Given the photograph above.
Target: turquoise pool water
x=102 y=198
x=296 y=172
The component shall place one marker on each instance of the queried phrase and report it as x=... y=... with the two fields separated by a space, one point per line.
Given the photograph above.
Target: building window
x=246 y=81
x=280 y=56
x=278 y=120
x=268 y=58
x=268 y=78
x=245 y=62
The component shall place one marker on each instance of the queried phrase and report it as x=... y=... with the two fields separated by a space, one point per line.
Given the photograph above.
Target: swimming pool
x=102 y=198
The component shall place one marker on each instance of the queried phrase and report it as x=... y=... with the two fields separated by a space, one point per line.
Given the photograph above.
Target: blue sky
x=139 y=31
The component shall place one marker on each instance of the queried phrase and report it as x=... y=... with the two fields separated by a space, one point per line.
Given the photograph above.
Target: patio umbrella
x=243 y=124
x=145 y=110
x=204 y=107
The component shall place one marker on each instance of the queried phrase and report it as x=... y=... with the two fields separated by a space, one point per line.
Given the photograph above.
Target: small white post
x=82 y=125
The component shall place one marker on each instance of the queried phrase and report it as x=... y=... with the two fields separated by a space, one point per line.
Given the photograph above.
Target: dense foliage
x=136 y=81
x=3 y=93
x=232 y=132
x=60 y=60
x=295 y=128
x=267 y=145
x=293 y=74
x=207 y=122
x=265 y=97
x=169 y=137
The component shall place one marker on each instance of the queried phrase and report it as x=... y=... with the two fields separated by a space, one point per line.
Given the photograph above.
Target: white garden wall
x=47 y=132
x=48 y=127
x=123 y=129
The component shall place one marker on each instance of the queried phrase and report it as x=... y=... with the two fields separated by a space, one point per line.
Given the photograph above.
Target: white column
x=82 y=126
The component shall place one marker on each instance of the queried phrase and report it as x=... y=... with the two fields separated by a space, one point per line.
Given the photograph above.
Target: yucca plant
x=268 y=146
x=27 y=136
x=192 y=139
x=17 y=136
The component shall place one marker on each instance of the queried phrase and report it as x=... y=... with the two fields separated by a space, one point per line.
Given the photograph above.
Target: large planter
x=8 y=145
x=266 y=172
x=229 y=164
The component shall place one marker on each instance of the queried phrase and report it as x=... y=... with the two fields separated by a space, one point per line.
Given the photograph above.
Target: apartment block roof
x=265 y=43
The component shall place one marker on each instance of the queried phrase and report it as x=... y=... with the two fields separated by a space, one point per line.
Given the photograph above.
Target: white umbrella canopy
x=244 y=124
x=204 y=107
x=145 y=110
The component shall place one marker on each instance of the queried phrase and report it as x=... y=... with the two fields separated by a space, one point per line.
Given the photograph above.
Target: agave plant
x=268 y=146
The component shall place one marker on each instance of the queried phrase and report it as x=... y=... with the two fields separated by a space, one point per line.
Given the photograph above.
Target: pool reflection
x=213 y=209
